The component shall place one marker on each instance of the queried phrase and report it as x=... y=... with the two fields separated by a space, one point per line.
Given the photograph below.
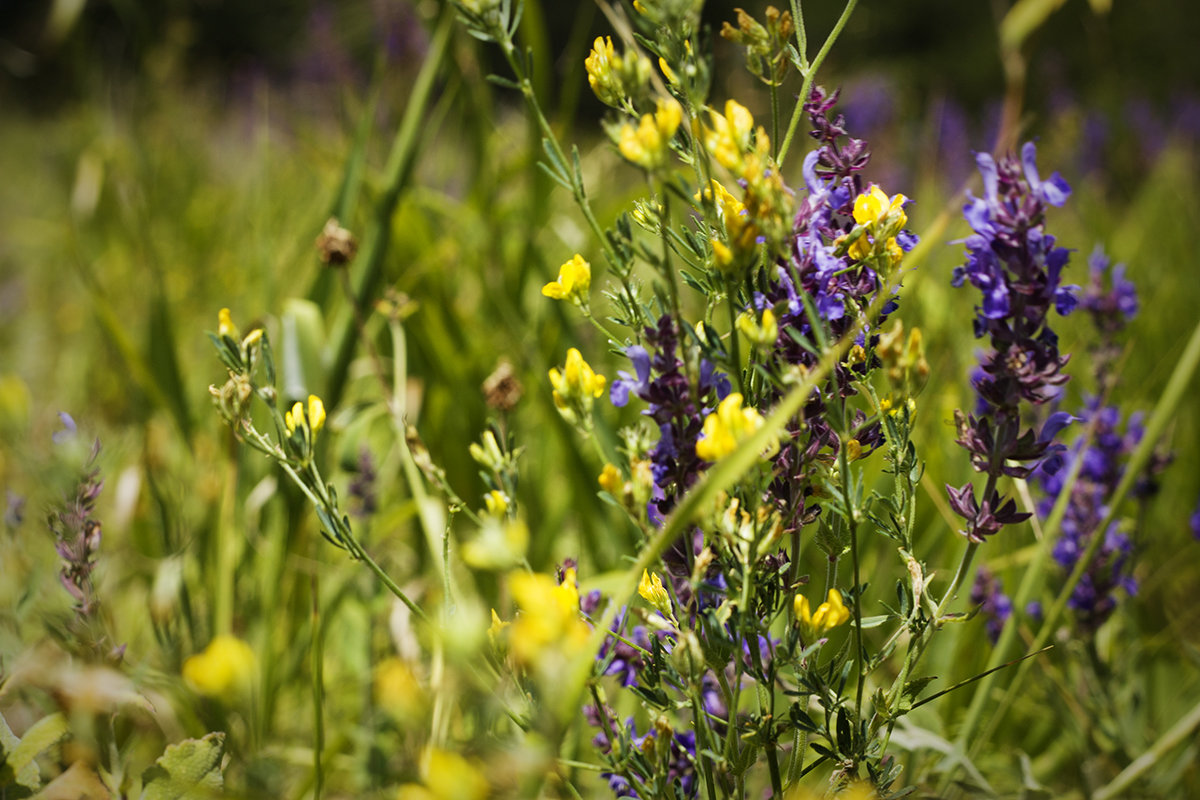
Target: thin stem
x=806 y=89
x=318 y=688
x=735 y=348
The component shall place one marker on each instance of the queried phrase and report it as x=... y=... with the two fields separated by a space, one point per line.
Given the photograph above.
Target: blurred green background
x=161 y=160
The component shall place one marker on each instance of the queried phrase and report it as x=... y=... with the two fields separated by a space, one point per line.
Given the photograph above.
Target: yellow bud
x=225 y=326
x=316 y=413
x=610 y=479
x=496 y=503
x=294 y=419
x=224 y=669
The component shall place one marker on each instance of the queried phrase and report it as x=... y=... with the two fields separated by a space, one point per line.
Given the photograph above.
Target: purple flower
x=638 y=383
x=1102 y=465
x=987 y=593
x=1111 y=307
x=1195 y=521
x=1017 y=269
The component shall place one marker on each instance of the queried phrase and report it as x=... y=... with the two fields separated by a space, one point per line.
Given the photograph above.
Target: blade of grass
x=396 y=178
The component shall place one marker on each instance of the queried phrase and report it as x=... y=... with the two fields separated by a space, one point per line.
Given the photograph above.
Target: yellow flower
x=829 y=615
x=610 y=479
x=761 y=335
x=648 y=144
x=574 y=280
x=549 y=619
x=496 y=503
x=672 y=78
x=729 y=138
x=447 y=776
x=225 y=326
x=297 y=418
x=883 y=217
x=397 y=690
x=316 y=413
x=224 y=669
x=653 y=592
x=602 y=77
x=740 y=230
x=727 y=427
x=575 y=387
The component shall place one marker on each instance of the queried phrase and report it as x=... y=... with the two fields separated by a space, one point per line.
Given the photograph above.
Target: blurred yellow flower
x=548 y=619
x=729 y=138
x=397 y=690
x=447 y=776
x=224 y=669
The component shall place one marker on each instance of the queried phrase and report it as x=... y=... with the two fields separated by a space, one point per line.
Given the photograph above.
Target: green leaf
x=19 y=774
x=189 y=769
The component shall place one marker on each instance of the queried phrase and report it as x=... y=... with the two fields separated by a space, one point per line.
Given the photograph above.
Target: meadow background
x=160 y=161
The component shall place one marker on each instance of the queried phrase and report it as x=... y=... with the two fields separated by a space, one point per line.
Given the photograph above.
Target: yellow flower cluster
x=741 y=234
x=549 y=617
x=881 y=218
x=614 y=78
x=224 y=669
x=314 y=420
x=725 y=428
x=829 y=615
x=575 y=387
x=765 y=213
x=649 y=144
x=574 y=280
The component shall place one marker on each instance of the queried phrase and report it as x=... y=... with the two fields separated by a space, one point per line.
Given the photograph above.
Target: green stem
x=806 y=89
x=318 y=688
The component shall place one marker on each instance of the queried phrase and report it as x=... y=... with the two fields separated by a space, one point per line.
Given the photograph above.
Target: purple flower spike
x=1017 y=269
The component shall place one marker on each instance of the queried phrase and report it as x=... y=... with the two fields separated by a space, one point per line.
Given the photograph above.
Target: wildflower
x=987 y=593
x=447 y=776
x=610 y=479
x=575 y=387
x=297 y=419
x=224 y=669
x=761 y=334
x=829 y=615
x=604 y=80
x=496 y=629
x=729 y=138
x=653 y=592
x=574 y=280
x=648 y=144
x=616 y=79
x=726 y=427
x=496 y=503
x=1103 y=458
x=1017 y=268
x=549 y=618
x=397 y=690
x=741 y=231
x=225 y=326
x=881 y=219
